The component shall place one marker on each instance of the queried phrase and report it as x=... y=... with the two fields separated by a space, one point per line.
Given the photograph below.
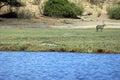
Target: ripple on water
x=58 y=66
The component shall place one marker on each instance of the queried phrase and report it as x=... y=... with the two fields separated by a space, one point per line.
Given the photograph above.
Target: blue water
x=58 y=66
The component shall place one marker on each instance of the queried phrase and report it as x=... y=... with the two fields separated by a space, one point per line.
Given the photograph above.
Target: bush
x=61 y=8
x=118 y=2
x=114 y=12
x=25 y=14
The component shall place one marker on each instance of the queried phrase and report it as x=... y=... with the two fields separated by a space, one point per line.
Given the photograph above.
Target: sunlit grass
x=70 y=40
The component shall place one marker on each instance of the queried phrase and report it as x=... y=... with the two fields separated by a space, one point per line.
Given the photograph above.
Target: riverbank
x=59 y=23
x=60 y=40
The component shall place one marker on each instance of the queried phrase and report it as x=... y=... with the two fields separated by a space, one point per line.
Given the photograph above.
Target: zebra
x=100 y=27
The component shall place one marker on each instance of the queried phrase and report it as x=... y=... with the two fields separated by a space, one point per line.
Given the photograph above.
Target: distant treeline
x=58 y=8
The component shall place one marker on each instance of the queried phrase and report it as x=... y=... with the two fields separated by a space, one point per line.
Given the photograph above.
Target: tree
x=12 y=3
x=61 y=8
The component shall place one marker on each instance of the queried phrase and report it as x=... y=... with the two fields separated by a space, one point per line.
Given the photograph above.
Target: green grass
x=69 y=40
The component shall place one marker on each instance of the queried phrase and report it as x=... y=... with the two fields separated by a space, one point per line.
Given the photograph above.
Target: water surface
x=58 y=66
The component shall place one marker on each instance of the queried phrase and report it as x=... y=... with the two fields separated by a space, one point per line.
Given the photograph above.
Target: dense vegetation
x=56 y=8
x=61 y=8
x=114 y=12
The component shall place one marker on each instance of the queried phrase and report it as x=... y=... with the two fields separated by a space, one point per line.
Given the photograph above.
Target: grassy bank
x=70 y=40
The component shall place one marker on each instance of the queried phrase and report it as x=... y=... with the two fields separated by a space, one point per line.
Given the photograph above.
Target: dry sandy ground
x=45 y=22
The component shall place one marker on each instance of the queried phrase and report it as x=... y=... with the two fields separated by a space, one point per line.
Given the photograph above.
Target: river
x=59 y=66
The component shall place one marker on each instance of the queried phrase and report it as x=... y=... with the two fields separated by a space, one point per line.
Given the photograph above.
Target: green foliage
x=114 y=12
x=118 y=2
x=61 y=8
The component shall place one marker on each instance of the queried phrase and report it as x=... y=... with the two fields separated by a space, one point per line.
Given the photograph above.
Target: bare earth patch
x=46 y=22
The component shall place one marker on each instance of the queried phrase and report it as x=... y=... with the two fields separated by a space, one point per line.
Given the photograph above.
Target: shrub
x=25 y=14
x=114 y=12
x=61 y=8
x=118 y=2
